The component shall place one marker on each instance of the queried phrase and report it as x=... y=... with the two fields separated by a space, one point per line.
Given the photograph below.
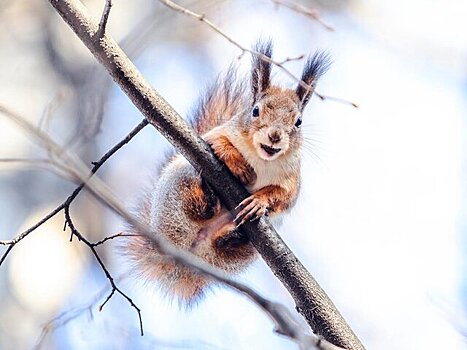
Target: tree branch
x=311 y=300
x=312 y=13
x=67 y=316
x=104 y=18
x=286 y=323
x=202 y=18
x=65 y=206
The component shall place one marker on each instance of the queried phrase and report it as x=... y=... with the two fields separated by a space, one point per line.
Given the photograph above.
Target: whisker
x=314 y=141
x=313 y=133
x=314 y=155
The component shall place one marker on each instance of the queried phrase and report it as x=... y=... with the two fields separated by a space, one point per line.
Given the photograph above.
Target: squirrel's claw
x=244 y=202
x=252 y=209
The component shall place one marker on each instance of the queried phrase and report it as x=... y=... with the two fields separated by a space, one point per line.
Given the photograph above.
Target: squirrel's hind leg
x=202 y=205
x=222 y=245
x=221 y=231
x=200 y=202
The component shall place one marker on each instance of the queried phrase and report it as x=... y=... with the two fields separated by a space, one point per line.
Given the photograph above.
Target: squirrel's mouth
x=270 y=150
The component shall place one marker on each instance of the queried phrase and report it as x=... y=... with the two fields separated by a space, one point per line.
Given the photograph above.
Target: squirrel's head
x=276 y=114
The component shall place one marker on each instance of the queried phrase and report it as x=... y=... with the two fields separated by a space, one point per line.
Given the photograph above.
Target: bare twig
x=8 y=250
x=35 y=161
x=336 y=99
x=311 y=301
x=46 y=164
x=290 y=59
x=69 y=315
x=312 y=13
x=100 y=162
x=55 y=150
x=280 y=64
x=105 y=239
x=92 y=247
x=50 y=109
x=11 y=243
x=104 y=18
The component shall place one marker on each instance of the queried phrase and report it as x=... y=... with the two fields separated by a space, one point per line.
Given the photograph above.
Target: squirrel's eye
x=298 y=122
x=255 y=111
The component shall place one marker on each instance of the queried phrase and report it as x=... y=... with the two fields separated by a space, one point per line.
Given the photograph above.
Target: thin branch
x=336 y=99
x=106 y=156
x=111 y=280
x=100 y=162
x=56 y=151
x=11 y=243
x=311 y=301
x=105 y=239
x=49 y=110
x=28 y=161
x=104 y=18
x=290 y=59
x=10 y=247
x=69 y=315
x=47 y=164
x=280 y=64
x=312 y=13
x=32 y=228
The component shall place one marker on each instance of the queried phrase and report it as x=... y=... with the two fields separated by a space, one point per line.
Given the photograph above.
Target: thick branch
x=285 y=322
x=310 y=299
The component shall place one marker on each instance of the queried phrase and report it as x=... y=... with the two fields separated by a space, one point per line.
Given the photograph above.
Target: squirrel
x=257 y=135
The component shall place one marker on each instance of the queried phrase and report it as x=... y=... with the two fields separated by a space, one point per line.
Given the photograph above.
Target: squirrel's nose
x=274 y=136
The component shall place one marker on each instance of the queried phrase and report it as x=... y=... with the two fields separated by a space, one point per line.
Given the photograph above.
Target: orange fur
x=258 y=138
x=226 y=152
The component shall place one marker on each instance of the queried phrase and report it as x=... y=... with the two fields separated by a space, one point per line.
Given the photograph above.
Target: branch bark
x=285 y=322
x=311 y=301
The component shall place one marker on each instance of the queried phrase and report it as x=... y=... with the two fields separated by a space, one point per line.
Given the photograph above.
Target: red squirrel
x=257 y=135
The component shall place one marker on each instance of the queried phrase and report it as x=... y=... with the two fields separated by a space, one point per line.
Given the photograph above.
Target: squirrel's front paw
x=251 y=208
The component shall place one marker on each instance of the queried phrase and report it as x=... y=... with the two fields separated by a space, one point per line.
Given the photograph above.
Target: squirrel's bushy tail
x=171 y=210
x=224 y=99
x=149 y=264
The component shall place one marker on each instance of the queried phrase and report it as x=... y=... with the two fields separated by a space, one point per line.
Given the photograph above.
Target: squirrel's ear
x=261 y=69
x=315 y=66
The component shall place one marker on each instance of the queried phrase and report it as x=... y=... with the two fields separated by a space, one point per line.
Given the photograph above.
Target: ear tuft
x=315 y=66
x=261 y=69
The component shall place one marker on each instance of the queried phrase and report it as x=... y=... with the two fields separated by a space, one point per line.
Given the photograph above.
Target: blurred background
x=381 y=222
